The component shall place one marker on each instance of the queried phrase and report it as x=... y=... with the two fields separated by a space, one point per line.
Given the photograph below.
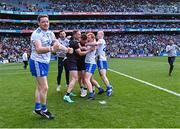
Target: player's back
x=74 y=56
x=171 y=50
x=101 y=51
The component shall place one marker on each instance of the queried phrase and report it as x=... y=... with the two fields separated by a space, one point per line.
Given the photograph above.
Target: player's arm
x=177 y=47
x=57 y=46
x=61 y=47
x=40 y=49
x=82 y=53
x=81 y=47
x=99 y=42
x=92 y=44
x=36 y=40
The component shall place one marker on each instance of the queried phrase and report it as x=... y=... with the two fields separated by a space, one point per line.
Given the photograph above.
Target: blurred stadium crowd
x=150 y=6
x=82 y=26
x=118 y=45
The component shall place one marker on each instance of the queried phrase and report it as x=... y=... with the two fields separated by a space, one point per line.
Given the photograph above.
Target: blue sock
x=37 y=106
x=91 y=94
x=109 y=87
x=43 y=107
x=100 y=88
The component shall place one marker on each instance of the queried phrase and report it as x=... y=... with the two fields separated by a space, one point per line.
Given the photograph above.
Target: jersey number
x=104 y=49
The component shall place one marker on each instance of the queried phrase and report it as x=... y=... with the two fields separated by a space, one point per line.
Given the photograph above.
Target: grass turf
x=133 y=104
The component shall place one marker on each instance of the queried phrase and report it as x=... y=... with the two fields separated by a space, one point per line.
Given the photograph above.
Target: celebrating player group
x=77 y=54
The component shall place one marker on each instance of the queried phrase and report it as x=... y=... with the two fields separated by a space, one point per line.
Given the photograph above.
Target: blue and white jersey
x=64 y=42
x=90 y=57
x=101 y=51
x=46 y=38
x=171 y=50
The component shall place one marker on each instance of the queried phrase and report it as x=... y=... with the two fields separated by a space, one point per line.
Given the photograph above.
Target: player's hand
x=69 y=50
x=56 y=47
x=68 y=37
x=84 y=48
x=93 y=48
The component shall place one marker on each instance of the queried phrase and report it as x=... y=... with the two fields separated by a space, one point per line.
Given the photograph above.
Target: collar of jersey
x=43 y=30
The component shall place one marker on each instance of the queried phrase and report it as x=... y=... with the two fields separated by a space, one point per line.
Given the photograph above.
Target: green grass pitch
x=132 y=105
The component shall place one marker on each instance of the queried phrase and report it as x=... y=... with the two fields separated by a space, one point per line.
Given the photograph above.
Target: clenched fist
x=69 y=50
x=56 y=47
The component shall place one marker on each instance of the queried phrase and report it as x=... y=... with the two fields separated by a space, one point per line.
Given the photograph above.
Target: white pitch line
x=147 y=83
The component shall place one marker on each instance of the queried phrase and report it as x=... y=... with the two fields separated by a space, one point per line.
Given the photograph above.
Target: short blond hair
x=92 y=35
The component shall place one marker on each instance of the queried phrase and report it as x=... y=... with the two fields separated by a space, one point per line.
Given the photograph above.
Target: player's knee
x=75 y=78
x=100 y=73
x=86 y=80
x=103 y=75
x=45 y=88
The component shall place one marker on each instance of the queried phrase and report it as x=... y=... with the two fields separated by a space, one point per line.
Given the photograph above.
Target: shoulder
x=67 y=40
x=36 y=33
x=102 y=41
x=50 y=32
x=71 y=42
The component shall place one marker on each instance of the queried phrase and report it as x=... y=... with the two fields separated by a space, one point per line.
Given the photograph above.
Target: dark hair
x=41 y=16
x=61 y=31
x=74 y=32
x=84 y=36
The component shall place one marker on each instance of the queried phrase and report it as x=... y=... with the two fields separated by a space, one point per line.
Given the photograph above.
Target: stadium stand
x=133 y=28
x=150 y=6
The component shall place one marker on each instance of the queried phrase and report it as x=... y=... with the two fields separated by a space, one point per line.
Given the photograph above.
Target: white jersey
x=64 y=42
x=25 y=57
x=171 y=50
x=46 y=38
x=101 y=50
x=91 y=57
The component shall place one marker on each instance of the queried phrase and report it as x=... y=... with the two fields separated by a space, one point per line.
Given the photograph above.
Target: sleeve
x=67 y=43
x=167 y=48
x=177 y=47
x=53 y=37
x=35 y=36
x=101 y=41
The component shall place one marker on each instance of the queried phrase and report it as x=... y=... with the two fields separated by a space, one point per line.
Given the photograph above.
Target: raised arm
x=82 y=53
x=177 y=47
x=82 y=47
x=99 y=42
x=60 y=47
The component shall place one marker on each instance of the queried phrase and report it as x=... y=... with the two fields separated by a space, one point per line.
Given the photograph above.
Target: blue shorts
x=102 y=64
x=90 y=68
x=38 y=69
